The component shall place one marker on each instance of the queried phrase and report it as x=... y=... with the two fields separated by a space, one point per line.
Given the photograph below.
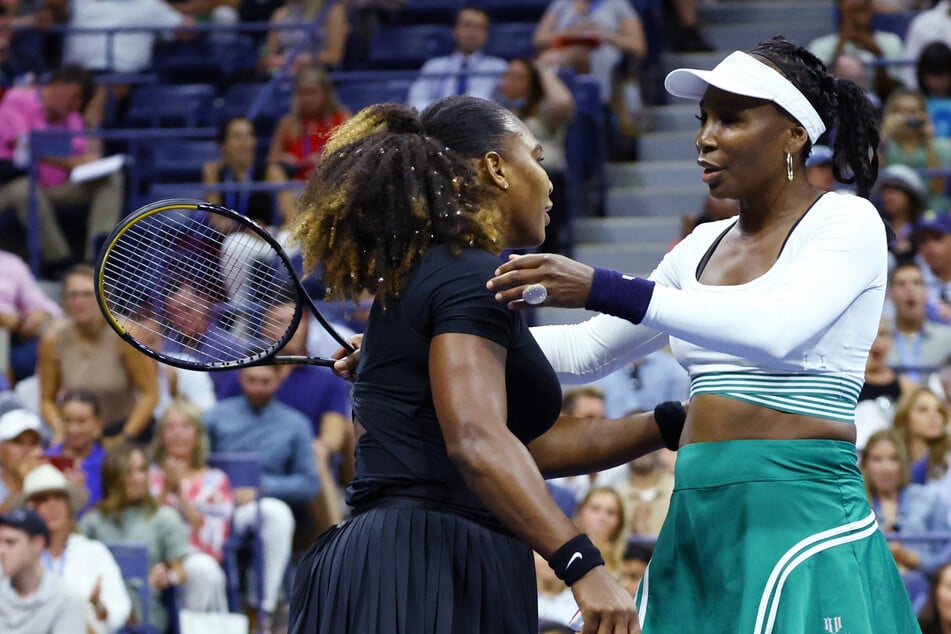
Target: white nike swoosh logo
x=572 y=560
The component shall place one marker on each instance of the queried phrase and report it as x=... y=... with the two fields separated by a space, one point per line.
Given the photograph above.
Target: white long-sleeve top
x=814 y=312
x=81 y=564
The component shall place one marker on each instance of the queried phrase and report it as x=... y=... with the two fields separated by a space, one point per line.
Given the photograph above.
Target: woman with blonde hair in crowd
x=904 y=508
x=181 y=478
x=601 y=516
x=301 y=134
x=83 y=352
x=128 y=512
x=921 y=418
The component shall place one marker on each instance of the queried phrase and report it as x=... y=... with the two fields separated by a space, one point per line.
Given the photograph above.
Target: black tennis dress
x=421 y=554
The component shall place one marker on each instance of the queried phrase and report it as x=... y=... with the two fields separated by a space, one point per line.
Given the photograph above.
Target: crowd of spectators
x=105 y=444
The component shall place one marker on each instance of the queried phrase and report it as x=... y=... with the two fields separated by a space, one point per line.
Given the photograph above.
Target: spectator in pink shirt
x=54 y=105
x=25 y=312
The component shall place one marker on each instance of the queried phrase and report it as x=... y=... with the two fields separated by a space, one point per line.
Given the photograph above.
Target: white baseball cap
x=17 y=421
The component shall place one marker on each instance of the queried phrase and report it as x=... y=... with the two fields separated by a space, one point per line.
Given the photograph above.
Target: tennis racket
x=201 y=287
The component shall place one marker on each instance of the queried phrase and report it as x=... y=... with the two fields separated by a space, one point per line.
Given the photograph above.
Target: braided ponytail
x=846 y=112
x=855 y=145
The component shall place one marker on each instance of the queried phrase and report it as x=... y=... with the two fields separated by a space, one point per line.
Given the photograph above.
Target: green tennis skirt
x=772 y=536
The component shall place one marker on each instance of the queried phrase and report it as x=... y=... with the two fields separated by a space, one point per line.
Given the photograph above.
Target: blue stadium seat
x=244 y=470
x=181 y=161
x=429 y=11
x=185 y=105
x=508 y=11
x=511 y=39
x=896 y=23
x=409 y=46
x=357 y=95
x=133 y=561
x=238 y=98
x=197 y=60
x=586 y=139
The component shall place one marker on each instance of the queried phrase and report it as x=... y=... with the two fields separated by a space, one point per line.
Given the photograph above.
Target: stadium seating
x=429 y=11
x=409 y=46
x=508 y=11
x=359 y=94
x=205 y=58
x=244 y=470
x=181 y=161
x=133 y=561
x=896 y=23
x=511 y=39
x=186 y=105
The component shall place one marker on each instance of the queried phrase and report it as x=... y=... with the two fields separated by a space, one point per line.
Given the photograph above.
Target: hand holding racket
x=199 y=286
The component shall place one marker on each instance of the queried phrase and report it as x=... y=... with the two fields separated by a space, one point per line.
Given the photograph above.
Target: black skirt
x=402 y=569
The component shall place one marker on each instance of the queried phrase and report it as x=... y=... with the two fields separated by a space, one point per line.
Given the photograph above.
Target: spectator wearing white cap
x=31 y=600
x=85 y=564
x=21 y=449
x=901 y=196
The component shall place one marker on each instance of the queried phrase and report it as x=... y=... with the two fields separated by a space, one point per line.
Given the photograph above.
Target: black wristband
x=670 y=417
x=575 y=558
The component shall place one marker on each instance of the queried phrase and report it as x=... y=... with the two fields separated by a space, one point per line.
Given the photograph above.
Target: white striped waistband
x=820 y=395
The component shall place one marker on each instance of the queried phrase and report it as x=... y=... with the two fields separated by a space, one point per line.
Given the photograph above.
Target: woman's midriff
x=712 y=418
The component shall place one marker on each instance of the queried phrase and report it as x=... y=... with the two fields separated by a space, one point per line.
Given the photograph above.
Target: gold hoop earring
x=789 y=167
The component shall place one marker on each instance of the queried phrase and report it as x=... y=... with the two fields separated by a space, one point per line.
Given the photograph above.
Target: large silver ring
x=534 y=294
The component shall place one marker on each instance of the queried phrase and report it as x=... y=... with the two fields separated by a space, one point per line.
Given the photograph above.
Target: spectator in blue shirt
x=82 y=428
x=320 y=396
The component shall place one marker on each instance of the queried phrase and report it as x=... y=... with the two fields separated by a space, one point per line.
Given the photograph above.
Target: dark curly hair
x=845 y=110
x=391 y=183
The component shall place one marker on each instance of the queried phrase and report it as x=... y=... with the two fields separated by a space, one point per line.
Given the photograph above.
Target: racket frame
x=263 y=358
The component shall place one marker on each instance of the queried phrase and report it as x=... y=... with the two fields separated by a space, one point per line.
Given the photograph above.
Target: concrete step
x=655 y=201
x=635 y=259
x=652 y=173
x=668 y=146
x=627 y=230
x=766 y=13
x=674 y=118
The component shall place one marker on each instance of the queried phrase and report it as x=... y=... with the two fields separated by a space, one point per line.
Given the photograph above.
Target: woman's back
x=404 y=444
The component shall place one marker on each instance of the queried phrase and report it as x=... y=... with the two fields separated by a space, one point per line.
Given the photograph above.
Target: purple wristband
x=620 y=295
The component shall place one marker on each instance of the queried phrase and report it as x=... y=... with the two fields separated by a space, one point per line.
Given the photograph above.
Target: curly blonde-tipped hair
x=391 y=183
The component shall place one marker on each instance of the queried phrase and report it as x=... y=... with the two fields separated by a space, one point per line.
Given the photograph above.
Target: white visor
x=742 y=74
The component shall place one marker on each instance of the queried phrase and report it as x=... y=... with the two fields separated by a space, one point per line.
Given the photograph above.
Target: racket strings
x=199 y=287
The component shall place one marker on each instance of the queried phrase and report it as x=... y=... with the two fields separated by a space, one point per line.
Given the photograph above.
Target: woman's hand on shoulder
x=567 y=282
x=604 y=604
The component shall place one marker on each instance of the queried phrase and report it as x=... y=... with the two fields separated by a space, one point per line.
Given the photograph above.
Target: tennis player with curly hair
x=455 y=405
